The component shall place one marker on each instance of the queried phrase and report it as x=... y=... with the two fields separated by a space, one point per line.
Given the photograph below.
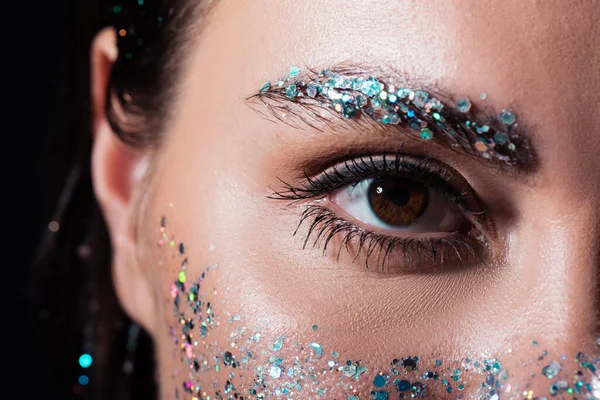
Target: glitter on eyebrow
x=507 y=117
x=291 y=91
x=464 y=105
x=350 y=96
x=294 y=71
x=426 y=134
x=265 y=87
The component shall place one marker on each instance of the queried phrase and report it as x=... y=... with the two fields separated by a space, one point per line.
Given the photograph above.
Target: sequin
x=507 y=117
x=317 y=348
x=265 y=87
x=420 y=98
x=463 y=105
x=278 y=344
x=371 y=87
x=426 y=134
x=311 y=90
x=551 y=370
x=500 y=138
x=294 y=71
x=291 y=91
x=379 y=381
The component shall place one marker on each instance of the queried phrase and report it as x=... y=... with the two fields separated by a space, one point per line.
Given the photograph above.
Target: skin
x=212 y=176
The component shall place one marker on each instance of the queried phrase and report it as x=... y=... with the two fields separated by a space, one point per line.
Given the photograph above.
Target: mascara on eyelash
x=357 y=168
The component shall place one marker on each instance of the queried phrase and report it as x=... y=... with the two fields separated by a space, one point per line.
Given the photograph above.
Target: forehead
x=541 y=59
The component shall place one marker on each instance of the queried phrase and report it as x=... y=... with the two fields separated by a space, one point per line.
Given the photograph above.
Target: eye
x=399 y=205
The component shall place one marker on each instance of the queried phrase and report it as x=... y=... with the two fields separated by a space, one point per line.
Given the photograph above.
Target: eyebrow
x=394 y=103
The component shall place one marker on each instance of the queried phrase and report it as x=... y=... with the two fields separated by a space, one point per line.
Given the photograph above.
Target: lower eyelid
x=394 y=255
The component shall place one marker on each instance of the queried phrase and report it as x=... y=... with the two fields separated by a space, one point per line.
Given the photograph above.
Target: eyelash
x=325 y=224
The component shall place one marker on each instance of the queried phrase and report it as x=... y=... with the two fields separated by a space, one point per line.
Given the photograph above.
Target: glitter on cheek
x=241 y=365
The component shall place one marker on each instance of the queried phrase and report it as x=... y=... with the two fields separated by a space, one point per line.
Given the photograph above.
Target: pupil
x=398 y=201
x=399 y=196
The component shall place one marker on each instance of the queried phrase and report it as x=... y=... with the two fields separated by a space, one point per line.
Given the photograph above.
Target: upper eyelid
x=355 y=169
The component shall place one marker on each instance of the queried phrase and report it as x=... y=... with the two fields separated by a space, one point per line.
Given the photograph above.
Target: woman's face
x=274 y=317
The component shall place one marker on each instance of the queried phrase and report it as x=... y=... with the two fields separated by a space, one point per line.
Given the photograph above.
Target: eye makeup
x=462 y=125
x=410 y=246
x=249 y=362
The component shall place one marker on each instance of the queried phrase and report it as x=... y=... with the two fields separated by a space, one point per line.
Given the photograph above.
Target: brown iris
x=397 y=201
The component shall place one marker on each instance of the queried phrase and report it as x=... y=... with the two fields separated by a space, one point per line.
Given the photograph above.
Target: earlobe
x=118 y=171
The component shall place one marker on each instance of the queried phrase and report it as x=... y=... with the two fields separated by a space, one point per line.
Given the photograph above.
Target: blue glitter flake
x=360 y=101
x=311 y=90
x=265 y=87
x=317 y=348
x=291 y=91
x=463 y=105
x=294 y=71
x=275 y=372
x=551 y=370
x=371 y=87
x=379 y=381
x=379 y=395
x=500 y=138
x=403 y=93
x=390 y=119
x=482 y=129
x=356 y=83
x=507 y=117
x=420 y=98
x=426 y=134
x=402 y=385
x=278 y=344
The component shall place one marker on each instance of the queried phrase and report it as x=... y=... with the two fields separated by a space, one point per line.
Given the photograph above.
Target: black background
x=33 y=58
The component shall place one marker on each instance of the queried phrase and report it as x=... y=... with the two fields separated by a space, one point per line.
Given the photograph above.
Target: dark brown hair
x=79 y=309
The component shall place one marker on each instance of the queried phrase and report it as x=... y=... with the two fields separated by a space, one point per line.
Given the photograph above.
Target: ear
x=117 y=171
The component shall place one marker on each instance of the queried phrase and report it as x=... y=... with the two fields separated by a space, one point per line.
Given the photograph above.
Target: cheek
x=233 y=328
